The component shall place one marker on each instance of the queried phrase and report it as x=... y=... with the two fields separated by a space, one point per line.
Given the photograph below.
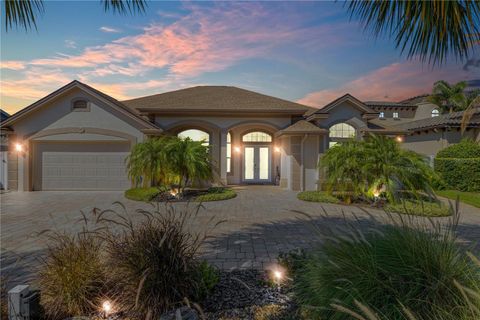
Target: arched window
x=195 y=135
x=342 y=130
x=435 y=113
x=229 y=152
x=257 y=136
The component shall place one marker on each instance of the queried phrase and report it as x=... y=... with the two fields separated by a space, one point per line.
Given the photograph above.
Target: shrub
x=217 y=194
x=420 y=208
x=466 y=148
x=317 y=196
x=155 y=260
x=142 y=194
x=208 y=278
x=400 y=269
x=459 y=174
x=72 y=276
x=459 y=165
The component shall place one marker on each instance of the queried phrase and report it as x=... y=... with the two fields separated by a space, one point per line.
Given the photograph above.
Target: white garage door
x=84 y=171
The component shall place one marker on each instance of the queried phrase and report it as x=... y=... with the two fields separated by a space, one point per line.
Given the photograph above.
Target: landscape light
x=107 y=307
x=399 y=139
x=18 y=147
x=278 y=275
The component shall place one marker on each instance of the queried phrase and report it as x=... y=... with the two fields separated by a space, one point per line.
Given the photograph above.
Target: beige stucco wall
x=424 y=110
x=431 y=142
x=101 y=124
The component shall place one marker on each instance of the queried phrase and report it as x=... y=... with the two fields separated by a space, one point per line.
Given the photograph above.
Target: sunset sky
x=309 y=52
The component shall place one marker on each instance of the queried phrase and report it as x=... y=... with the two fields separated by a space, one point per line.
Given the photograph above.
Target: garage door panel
x=84 y=171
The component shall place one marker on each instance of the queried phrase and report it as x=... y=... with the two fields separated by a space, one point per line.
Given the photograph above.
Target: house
x=77 y=138
x=3 y=153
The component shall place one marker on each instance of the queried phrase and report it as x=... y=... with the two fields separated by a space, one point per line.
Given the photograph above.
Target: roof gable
x=346 y=98
x=89 y=90
x=215 y=99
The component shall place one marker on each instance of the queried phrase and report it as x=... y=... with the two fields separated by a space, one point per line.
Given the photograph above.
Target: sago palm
x=23 y=13
x=344 y=166
x=189 y=160
x=449 y=97
x=395 y=168
x=431 y=30
x=147 y=162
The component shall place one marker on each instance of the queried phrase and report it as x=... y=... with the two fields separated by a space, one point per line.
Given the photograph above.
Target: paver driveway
x=260 y=223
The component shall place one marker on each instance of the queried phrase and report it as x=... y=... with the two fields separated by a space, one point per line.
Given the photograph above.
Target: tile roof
x=453 y=119
x=388 y=104
x=215 y=98
x=416 y=99
x=301 y=127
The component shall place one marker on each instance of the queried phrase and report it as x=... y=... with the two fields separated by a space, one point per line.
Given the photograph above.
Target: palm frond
x=22 y=13
x=430 y=30
x=125 y=6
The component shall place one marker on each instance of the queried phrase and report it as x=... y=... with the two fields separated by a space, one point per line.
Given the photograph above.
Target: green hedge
x=466 y=148
x=459 y=174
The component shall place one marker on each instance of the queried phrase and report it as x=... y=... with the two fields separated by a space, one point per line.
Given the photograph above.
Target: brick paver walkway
x=260 y=222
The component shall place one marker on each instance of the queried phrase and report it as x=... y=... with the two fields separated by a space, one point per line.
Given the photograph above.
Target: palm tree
x=473 y=102
x=189 y=160
x=448 y=97
x=396 y=169
x=430 y=30
x=24 y=12
x=147 y=163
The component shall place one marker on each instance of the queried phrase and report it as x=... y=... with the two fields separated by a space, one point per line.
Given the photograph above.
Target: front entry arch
x=257 y=157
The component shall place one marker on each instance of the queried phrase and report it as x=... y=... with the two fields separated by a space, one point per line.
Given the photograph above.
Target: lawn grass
x=142 y=194
x=317 y=196
x=216 y=194
x=471 y=198
x=420 y=208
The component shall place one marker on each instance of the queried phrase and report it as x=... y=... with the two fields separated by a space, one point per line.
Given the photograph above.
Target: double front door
x=256 y=164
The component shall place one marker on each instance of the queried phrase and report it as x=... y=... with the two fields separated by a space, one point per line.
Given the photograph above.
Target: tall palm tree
x=147 y=163
x=189 y=160
x=23 y=13
x=448 y=97
x=473 y=104
x=429 y=29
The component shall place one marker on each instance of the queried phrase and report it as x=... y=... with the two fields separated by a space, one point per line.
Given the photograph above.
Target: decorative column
x=223 y=156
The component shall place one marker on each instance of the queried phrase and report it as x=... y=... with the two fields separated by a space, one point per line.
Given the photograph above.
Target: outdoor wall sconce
x=277 y=149
x=237 y=149
x=19 y=147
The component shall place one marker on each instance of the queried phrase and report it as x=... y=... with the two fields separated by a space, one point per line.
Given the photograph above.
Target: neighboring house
x=3 y=153
x=77 y=138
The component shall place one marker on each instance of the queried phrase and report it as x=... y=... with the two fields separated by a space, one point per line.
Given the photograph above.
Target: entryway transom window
x=257 y=136
x=340 y=132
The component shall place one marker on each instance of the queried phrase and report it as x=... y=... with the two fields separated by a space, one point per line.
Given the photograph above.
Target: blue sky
x=309 y=52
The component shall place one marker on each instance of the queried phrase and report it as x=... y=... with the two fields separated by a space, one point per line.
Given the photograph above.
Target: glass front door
x=256 y=164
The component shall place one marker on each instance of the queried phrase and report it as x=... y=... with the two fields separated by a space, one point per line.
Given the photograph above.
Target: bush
x=142 y=194
x=466 y=148
x=154 y=261
x=72 y=277
x=317 y=196
x=217 y=194
x=459 y=174
x=420 y=208
x=459 y=166
x=208 y=278
x=390 y=272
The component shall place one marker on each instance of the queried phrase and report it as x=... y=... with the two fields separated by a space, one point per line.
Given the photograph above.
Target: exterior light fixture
x=106 y=308
x=18 y=147
x=237 y=149
x=399 y=139
x=278 y=275
x=277 y=149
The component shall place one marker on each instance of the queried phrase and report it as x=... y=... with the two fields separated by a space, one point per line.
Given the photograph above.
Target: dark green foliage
x=466 y=148
x=459 y=166
x=387 y=273
x=208 y=278
x=217 y=194
x=73 y=276
x=143 y=194
x=317 y=196
x=460 y=174
x=420 y=208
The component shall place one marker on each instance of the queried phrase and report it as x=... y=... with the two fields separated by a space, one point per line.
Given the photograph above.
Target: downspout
x=302 y=166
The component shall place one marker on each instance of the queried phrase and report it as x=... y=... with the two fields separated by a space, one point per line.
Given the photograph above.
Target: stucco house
x=77 y=137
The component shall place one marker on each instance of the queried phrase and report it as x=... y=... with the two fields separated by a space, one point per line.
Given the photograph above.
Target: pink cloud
x=13 y=65
x=394 y=82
